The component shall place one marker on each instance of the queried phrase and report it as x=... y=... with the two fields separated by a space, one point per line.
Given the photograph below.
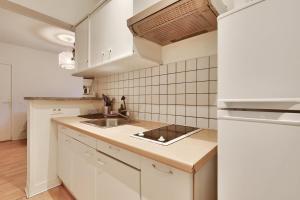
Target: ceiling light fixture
x=66 y=38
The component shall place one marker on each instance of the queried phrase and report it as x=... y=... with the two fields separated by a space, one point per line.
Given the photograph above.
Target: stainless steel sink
x=108 y=122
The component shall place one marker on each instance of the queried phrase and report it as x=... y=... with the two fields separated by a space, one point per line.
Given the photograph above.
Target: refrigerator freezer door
x=258 y=156
x=259 y=52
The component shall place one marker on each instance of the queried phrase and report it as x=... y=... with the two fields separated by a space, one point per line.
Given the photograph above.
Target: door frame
x=11 y=100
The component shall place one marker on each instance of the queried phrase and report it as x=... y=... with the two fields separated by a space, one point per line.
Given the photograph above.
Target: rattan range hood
x=170 y=21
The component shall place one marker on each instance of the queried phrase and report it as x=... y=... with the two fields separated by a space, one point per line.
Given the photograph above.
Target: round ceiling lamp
x=66 y=38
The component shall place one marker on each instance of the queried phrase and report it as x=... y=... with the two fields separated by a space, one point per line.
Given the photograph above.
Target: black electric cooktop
x=168 y=134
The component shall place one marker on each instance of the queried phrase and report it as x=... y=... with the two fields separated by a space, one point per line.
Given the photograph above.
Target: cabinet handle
x=113 y=148
x=99 y=161
x=163 y=171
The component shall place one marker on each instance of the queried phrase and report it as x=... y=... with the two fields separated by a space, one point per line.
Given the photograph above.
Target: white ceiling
x=69 y=11
x=20 y=30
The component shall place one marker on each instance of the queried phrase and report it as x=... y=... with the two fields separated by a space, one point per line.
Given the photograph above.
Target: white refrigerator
x=259 y=101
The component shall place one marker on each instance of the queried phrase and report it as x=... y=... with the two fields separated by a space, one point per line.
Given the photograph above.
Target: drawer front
x=119 y=153
x=78 y=136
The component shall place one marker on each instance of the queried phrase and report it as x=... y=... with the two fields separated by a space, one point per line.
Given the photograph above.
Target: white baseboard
x=42 y=187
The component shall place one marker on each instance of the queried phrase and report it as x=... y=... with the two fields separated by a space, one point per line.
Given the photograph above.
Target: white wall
x=35 y=73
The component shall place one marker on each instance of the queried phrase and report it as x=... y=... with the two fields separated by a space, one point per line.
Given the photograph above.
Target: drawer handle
x=113 y=148
x=163 y=171
x=99 y=161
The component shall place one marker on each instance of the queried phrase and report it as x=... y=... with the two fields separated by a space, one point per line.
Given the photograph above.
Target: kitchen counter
x=188 y=154
x=62 y=98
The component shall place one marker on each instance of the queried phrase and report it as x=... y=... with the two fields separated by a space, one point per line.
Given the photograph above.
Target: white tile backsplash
x=183 y=93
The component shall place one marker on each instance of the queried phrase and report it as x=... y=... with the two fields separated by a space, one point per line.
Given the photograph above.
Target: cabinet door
x=82 y=172
x=160 y=182
x=65 y=157
x=82 y=45
x=109 y=32
x=115 y=180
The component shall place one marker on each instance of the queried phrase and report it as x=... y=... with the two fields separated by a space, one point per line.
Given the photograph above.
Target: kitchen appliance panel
x=258 y=155
x=259 y=49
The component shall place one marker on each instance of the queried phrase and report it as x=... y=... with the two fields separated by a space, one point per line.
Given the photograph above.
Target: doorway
x=5 y=102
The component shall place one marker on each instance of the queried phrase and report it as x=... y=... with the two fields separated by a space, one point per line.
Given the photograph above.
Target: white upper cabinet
x=82 y=45
x=110 y=36
x=109 y=46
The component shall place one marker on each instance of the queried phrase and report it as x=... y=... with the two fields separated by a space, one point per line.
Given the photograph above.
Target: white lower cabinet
x=116 y=180
x=118 y=174
x=82 y=171
x=161 y=182
x=65 y=156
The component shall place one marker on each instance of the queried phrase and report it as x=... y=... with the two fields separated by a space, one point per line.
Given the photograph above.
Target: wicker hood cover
x=170 y=21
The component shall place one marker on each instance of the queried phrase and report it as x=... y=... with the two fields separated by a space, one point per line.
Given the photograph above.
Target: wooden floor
x=13 y=175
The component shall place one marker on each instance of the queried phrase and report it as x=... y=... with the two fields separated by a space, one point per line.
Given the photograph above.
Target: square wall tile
x=191 y=64
x=171 y=110
x=180 y=120
x=149 y=81
x=163 y=89
x=213 y=124
x=180 y=77
x=213 y=112
x=191 y=88
x=141 y=116
x=171 y=99
x=163 y=109
x=202 y=75
x=155 y=71
x=163 y=118
x=142 y=108
x=171 y=119
x=213 y=74
x=163 y=99
x=155 y=108
x=180 y=66
x=155 y=99
x=191 y=121
x=213 y=61
x=180 y=99
x=180 y=110
x=148 y=72
x=155 y=80
x=148 y=108
x=171 y=78
x=180 y=88
x=191 y=99
x=203 y=63
x=172 y=89
x=163 y=69
x=202 y=111
x=148 y=117
x=212 y=99
x=191 y=111
x=142 y=99
x=163 y=79
x=202 y=123
x=202 y=87
x=155 y=89
x=202 y=99
x=171 y=68
x=213 y=86
x=142 y=73
x=191 y=76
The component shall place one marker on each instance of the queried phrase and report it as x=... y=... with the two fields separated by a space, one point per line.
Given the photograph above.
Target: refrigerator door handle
x=260 y=120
